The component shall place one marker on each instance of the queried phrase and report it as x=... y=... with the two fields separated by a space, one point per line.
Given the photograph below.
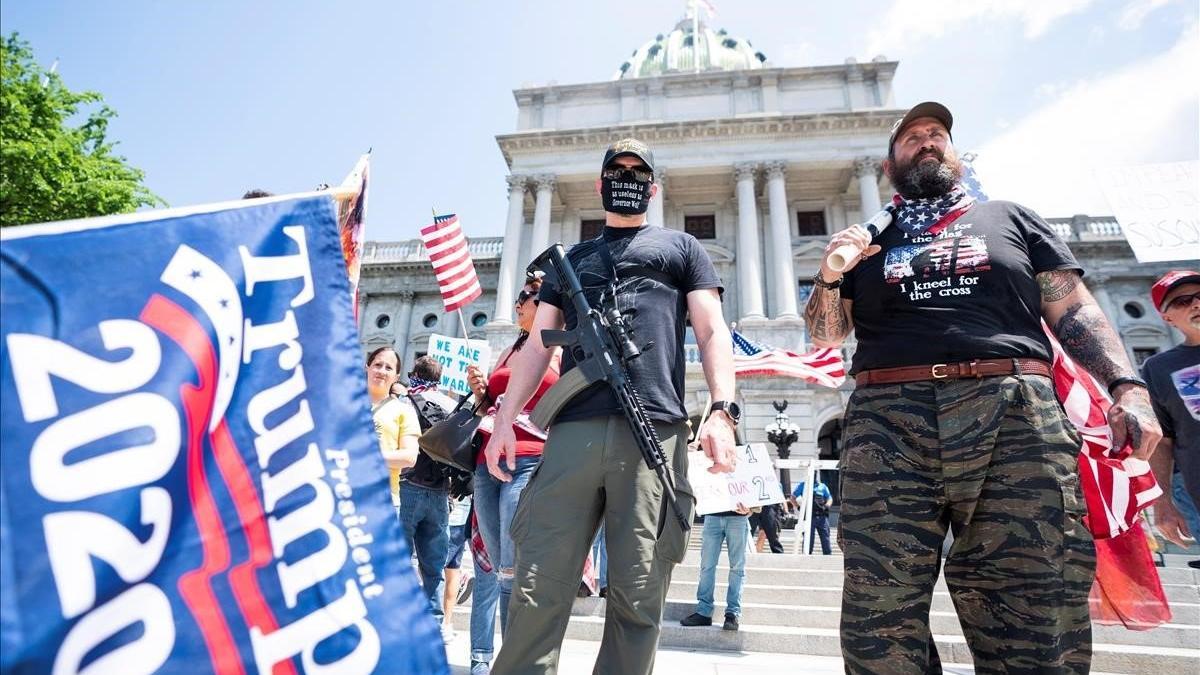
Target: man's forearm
x=528 y=366
x=826 y=317
x=1162 y=463
x=716 y=355
x=1088 y=338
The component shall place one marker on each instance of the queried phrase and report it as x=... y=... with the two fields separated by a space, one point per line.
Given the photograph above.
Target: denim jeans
x=600 y=558
x=495 y=504
x=734 y=531
x=425 y=516
x=1183 y=502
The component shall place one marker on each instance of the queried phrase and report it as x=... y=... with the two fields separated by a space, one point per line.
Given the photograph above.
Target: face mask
x=625 y=195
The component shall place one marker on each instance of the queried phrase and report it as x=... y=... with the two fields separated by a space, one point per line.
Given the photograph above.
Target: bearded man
x=954 y=422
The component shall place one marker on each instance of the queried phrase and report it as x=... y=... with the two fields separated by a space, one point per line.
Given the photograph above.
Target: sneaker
x=1194 y=564
x=464 y=590
x=604 y=592
x=448 y=634
x=480 y=668
x=696 y=619
x=731 y=622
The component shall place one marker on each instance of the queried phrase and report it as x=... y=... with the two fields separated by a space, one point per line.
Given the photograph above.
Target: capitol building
x=759 y=162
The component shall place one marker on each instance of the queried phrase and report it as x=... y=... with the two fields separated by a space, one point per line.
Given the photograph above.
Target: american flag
x=452 y=264
x=970 y=181
x=820 y=366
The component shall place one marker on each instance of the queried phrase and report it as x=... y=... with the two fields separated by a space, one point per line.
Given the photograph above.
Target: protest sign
x=753 y=481
x=455 y=355
x=189 y=480
x=1158 y=208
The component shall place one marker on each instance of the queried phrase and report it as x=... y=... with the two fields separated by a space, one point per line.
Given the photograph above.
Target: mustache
x=932 y=152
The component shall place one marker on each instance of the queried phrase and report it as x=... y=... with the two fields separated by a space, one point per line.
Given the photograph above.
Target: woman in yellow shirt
x=396 y=421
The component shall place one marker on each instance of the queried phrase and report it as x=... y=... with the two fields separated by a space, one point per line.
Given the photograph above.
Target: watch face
x=732 y=409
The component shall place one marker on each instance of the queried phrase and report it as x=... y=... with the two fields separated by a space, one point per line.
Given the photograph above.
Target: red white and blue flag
x=452 y=264
x=190 y=481
x=820 y=366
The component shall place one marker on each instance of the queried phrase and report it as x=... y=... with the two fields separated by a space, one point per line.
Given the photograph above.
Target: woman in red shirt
x=496 y=501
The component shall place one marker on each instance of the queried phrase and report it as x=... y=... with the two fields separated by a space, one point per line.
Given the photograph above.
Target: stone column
x=505 y=282
x=404 y=326
x=748 y=259
x=867 y=171
x=540 y=238
x=781 y=243
x=656 y=216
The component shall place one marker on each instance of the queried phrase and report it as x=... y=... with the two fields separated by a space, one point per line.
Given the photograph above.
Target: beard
x=924 y=180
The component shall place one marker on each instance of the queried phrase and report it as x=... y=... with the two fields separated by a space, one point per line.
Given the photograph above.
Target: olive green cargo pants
x=592 y=469
x=994 y=459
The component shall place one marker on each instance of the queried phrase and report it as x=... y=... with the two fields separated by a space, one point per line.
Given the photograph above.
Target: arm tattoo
x=825 y=316
x=1057 y=285
x=1086 y=335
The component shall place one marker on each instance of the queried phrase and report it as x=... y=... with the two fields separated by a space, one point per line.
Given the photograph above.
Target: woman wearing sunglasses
x=495 y=500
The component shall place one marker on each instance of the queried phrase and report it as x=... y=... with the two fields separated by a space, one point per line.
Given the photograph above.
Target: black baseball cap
x=629 y=146
x=932 y=109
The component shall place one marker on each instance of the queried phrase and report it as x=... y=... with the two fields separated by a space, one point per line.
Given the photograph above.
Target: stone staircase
x=790 y=606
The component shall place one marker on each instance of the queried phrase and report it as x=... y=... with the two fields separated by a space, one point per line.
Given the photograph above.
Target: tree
x=50 y=169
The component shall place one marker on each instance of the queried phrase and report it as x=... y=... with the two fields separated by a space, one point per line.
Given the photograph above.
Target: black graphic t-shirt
x=1174 y=379
x=967 y=292
x=656 y=269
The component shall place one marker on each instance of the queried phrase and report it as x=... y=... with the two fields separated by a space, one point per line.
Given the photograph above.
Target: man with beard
x=954 y=422
x=591 y=468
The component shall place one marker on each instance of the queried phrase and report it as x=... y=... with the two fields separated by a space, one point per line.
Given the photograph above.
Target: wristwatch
x=733 y=410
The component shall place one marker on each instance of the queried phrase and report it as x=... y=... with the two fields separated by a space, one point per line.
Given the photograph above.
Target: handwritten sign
x=1158 y=207
x=753 y=481
x=455 y=355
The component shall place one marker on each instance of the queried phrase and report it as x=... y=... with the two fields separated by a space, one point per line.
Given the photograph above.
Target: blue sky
x=216 y=97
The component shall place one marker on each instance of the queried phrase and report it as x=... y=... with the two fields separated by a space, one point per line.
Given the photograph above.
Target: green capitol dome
x=692 y=47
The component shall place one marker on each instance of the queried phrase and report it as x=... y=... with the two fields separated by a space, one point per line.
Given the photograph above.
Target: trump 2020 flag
x=189 y=480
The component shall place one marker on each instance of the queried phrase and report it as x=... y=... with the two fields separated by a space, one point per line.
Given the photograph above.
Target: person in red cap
x=1174 y=380
x=954 y=423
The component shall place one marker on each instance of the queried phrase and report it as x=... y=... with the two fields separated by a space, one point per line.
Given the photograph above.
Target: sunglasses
x=525 y=295
x=639 y=173
x=1181 y=301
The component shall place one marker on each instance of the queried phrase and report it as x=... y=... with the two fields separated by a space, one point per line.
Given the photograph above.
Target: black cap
x=629 y=146
x=932 y=109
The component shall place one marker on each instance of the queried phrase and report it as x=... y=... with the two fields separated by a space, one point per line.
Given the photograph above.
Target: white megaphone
x=842 y=255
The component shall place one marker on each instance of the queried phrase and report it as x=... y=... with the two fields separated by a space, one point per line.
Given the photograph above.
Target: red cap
x=1158 y=292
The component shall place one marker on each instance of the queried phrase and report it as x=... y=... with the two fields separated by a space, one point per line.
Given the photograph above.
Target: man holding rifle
x=647 y=280
x=954 y=422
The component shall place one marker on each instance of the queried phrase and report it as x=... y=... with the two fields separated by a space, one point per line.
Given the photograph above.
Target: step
x=1121 y=658
x=780 y=560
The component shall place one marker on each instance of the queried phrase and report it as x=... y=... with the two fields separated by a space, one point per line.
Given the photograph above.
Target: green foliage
x=51 y=169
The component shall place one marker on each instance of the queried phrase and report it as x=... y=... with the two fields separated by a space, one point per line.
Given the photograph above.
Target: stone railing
x=413 y=250
x=1086 y=228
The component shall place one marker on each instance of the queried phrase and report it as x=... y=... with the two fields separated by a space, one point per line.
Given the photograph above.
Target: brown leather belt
x=953 y=371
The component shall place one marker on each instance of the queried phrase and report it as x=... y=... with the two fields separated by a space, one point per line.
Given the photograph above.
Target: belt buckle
x=933 y=371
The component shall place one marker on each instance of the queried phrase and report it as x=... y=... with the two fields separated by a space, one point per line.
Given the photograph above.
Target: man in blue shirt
x=822 y=499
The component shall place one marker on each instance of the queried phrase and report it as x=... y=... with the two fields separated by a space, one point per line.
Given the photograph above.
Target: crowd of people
x=961 y=435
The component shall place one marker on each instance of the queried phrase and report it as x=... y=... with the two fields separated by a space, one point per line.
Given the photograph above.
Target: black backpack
x=426 y=471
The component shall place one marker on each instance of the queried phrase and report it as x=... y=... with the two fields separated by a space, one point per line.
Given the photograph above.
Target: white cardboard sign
x=455 y=354
x=753 y=481
x=1158 y=208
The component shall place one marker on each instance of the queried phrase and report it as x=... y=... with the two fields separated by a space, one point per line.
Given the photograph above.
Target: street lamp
x=783 y=433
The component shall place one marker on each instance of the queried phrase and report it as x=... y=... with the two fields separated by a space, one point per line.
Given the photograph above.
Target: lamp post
x=783 y=433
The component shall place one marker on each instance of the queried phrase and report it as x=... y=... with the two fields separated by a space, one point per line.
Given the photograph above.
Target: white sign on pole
x=753 y=481
x=455 y=354
x=1158 y=207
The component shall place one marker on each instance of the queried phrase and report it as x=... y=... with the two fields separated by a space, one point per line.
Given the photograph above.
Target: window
x=1140 y=355
x=382 y=321
x=806 y=289
x=418 y=355
x=479 y=319
x=701 y=227
x=590 y=229
x=429 y=321
x=1134 y=310
x=811 y=223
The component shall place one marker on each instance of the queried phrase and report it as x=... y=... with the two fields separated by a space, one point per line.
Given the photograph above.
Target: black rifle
x=602 y=347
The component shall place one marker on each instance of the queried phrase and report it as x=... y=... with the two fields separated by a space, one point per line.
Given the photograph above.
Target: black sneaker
x=696 y=619
x=604 y=592
x=731 y=622
x=1194 y=564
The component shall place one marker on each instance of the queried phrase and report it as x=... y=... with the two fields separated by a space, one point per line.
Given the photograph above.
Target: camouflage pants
x=993 y=459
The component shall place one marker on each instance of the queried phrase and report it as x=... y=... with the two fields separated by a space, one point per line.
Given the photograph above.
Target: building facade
x=760 y=163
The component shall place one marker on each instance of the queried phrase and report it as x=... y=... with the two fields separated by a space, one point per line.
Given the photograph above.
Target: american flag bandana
x=928 y=216
x=416 y=385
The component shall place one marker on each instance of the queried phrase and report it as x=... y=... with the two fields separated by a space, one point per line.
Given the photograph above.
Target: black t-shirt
x=1174 y=380
x=968 y=292
x=656 y=269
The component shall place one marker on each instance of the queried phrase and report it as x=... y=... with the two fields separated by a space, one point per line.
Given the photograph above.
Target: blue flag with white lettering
x=190 y=480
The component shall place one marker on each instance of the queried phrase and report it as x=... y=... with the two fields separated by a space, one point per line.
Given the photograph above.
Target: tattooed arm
x=1085 y=334
x=827 y=315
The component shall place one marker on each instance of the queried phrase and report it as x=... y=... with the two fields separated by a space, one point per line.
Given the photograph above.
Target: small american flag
x=970 y=181
x=820 y=366
x=452 y=264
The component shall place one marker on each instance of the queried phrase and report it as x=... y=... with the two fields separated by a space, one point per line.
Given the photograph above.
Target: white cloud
x=1145 y=112
x=1135 y=12
x=908 y=21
